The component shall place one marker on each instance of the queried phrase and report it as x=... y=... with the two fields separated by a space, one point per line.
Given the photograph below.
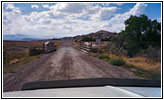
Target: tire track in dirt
x=64 y=64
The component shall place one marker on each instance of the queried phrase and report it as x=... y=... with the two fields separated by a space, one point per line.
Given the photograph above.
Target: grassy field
x=16 y=53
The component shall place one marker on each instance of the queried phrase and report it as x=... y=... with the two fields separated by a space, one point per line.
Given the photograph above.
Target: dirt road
x=66 y=63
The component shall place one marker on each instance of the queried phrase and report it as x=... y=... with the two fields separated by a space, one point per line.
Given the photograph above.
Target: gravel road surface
x=64 y=64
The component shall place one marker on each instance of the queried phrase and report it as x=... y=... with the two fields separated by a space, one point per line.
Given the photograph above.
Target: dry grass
x=9 y=68
x=144 y=67
x=14 y=61
x=15 y=53
x=144 y=63
x=141 y=66
x=141 y=63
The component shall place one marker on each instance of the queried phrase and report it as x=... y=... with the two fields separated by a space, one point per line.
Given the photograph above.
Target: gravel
x=64 y=64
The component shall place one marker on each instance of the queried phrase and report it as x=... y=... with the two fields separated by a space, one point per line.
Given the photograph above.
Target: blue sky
x=71 y=19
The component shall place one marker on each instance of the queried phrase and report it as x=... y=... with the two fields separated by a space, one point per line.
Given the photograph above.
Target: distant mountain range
x=19 y=37
x=102 y=34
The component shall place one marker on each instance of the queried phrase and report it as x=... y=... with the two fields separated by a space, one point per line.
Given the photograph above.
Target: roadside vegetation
x=137 y=48
x=117 y=62
x=16 y=53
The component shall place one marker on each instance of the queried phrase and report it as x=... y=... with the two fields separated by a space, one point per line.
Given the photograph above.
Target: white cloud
x=138 y=9
x=117 y=22
x=66 y=19
x=9 y=7
x=70 y=7
x=107 y=12
x=74 y=10
x=12 y=20
x=45 y=6
x=34 y=6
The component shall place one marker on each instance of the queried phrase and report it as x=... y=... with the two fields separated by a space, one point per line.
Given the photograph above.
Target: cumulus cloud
x=138 y=9
x=117 y=22
x=107 y=12
x=45 y=6
x=12 y=20
x=9 y=7
x=34 y=6
x=83 y=10
x=66 y=19
x=70 y=7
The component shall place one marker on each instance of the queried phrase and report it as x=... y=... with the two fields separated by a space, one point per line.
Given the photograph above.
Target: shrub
x=112 y=48
x=104 y=57
x=117 y=62
x=153 y=53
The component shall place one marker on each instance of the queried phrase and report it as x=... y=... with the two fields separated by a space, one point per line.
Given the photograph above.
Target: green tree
x=153 y=35
x=139 y=33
